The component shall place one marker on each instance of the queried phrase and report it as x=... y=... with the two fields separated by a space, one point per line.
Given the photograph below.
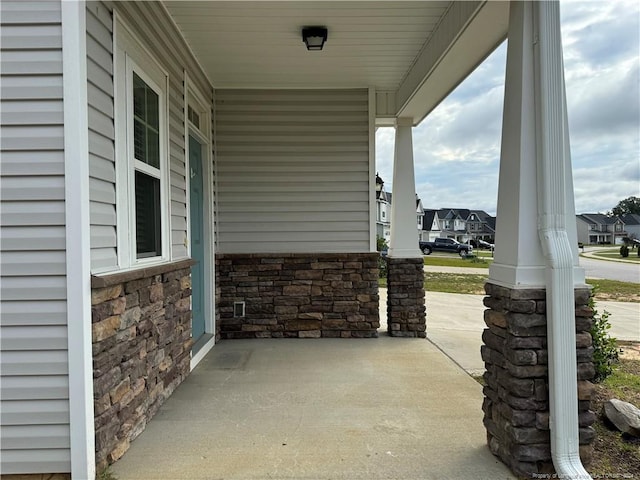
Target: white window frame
x=131 y=56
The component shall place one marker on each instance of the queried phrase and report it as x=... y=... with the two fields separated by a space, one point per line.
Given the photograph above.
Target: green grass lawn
x=456 y=261
x=611 y=290
x=614 y=253
x=451 y=282
x=615 y=291
x=454 y=283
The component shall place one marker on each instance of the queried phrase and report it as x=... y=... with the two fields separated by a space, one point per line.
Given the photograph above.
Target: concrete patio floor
x=386 y=408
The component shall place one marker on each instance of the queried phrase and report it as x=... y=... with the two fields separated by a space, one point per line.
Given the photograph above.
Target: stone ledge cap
x=109 y=279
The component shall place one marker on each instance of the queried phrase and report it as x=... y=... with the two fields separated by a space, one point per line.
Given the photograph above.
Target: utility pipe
x=553 y=166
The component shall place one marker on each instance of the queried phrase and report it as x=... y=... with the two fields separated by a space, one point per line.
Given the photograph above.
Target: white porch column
x=404 y=233
x=519 y=260
x=535 y=282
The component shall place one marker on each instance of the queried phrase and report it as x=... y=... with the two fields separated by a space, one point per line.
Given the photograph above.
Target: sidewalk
x=455 y=323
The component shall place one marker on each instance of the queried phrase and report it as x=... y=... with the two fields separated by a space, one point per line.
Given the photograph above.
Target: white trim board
x=76 y=151
x=197 y=98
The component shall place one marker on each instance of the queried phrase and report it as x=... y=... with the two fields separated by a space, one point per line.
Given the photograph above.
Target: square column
x=405 y=282
x=536 y=399
x=404 y=234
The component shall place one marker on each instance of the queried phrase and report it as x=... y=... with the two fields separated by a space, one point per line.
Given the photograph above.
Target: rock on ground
x=625 y=416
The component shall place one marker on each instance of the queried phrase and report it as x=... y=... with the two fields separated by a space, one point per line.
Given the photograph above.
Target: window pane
x=146 y=138
x=139 y=140
x=193 y=116
x=148 y=238
x=152 y=109
x=153 y=147
x=139 y=88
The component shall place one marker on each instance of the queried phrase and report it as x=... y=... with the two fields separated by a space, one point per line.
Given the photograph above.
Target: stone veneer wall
x=141 y=325
x=299 y=295
x=406 y=311
x=218 y=295
x=516 y=404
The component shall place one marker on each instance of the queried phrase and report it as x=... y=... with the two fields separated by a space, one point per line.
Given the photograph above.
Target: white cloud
x=457 y=147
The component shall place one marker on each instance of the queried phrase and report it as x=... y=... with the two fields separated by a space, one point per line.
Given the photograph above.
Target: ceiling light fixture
x=314 y=37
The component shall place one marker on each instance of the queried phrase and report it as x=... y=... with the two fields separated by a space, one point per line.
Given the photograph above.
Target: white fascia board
x=467 y=34
x=78 y=257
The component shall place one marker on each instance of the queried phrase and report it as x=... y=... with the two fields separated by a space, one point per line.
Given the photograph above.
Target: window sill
x=107 y=279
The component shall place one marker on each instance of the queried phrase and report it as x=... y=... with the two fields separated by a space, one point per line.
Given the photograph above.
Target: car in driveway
x=487 y=245
x=446 y=245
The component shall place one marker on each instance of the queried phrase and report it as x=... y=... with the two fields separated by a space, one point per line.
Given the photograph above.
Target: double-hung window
x=141 y=153
x=145 y=120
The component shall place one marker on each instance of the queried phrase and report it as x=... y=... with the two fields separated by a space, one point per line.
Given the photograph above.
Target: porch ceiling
x=394 y=46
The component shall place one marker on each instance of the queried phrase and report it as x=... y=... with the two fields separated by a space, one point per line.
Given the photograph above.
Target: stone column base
x=516 y=403
x=406 y=311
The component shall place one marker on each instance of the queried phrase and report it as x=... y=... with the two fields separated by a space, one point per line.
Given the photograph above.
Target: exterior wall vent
x=238 y=309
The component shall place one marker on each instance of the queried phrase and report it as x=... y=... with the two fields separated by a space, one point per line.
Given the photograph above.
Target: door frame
x=195 y=98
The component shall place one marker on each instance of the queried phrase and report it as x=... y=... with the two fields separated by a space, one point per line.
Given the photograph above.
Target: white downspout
x=553 y=166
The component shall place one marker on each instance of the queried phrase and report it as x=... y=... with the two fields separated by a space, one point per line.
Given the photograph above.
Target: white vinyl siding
x=102 y=173
x=293 y=170
x=34 y=401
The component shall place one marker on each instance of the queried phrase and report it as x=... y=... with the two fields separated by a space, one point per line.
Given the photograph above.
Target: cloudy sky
x=457 y=147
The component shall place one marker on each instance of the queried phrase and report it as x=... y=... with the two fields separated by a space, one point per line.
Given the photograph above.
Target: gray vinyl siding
x=102 y=172
x=155 y=30
x=34 y=398
x=293 y=170
x=159 y=35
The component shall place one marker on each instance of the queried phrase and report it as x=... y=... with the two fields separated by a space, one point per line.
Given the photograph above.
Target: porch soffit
x=394 y=46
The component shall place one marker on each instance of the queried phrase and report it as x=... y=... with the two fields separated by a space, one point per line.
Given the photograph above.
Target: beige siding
x=34 y=406
x=293 y=170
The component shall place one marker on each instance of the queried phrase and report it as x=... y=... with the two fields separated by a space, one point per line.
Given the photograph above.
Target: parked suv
x=446 y=245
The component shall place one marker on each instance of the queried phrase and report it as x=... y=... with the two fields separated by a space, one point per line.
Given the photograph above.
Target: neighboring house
x=463 y=225
x=481 y=226
x=383 y=211
x=419 y=216
x=632 y=224
x=144 y=144
x=383 y=214
x=597 y=228
x=443 y=223
x=430 y=226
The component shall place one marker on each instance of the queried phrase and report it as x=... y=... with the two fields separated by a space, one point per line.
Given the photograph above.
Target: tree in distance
x=628 y=205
